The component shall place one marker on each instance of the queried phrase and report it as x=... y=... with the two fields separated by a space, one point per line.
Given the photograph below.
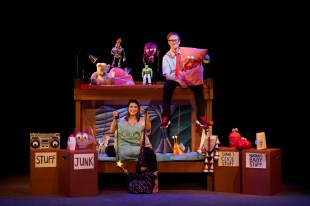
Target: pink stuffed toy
x=121 y=76
x=83 y=139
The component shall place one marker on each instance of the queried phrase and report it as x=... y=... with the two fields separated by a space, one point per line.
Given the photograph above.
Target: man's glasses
x=173 y=40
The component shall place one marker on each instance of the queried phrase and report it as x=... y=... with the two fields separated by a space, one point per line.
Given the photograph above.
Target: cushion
x=117 y=72
x=192 y=57
x=121 y=77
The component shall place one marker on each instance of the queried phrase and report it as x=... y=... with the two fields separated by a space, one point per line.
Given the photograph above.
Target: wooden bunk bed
x=87 y=97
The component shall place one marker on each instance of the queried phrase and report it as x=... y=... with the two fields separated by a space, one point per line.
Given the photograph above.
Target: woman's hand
x=115 y=114
x=144 y=111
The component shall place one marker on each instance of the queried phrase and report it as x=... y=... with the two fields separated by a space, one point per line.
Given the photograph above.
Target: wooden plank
x=163 y=167
x=124 y=92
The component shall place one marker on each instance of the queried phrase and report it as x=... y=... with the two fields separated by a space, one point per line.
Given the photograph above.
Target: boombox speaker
x=44 y=141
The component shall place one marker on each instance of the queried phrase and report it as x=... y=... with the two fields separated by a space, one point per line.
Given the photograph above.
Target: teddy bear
x=101 y=76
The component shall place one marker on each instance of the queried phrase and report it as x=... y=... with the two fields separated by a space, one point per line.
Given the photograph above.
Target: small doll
x=71 y=143
x=147 y=74
x=118 y=53
x=101 y=76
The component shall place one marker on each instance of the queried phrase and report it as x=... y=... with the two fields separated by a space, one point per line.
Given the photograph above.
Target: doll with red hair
x=118 y=52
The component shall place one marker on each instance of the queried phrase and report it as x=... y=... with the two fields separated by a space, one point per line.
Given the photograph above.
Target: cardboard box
x=227 y=171
x=78 y=175
x=261 y=171
x=44 y=168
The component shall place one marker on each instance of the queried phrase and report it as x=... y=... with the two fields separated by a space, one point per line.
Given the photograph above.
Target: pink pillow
x=125 y=80
x=120 y=77
x=118 y=72
x=192 y=57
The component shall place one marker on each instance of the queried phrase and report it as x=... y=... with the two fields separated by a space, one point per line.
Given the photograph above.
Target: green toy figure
x=147 y=73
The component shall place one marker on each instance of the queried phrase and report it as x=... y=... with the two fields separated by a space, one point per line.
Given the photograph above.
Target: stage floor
x=174 y=189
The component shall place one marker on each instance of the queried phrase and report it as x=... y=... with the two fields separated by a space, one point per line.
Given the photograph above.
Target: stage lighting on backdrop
x=92 y=58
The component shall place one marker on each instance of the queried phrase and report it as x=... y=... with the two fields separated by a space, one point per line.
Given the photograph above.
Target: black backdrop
x=251 y=88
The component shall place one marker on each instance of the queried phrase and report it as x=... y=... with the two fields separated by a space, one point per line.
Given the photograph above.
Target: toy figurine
x=147 y=73
x=103 y=144
x=71 y=143
x=118 y=52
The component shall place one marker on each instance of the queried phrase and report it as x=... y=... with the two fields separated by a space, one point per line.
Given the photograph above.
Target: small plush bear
x=101 y=76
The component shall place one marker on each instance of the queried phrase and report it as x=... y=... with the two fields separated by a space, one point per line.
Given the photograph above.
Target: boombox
x=44 y=141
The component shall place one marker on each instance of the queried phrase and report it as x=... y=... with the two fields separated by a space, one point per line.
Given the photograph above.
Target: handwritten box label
x=255 y=160
x=45 y=159
x=228 y=159
x=84 y=161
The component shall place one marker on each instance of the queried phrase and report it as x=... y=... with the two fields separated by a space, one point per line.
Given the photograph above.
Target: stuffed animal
x=176 y=147
x=101 y=76
x=83 y=139
x=103 y=144
x=71 y=143
x=122 y=76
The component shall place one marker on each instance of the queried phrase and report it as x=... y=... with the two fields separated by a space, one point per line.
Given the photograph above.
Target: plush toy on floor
x=102 y=76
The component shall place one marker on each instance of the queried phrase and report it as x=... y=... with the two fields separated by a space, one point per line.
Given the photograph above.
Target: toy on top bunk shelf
x=71 y=143
x=177 y=147
x=103 y=144
x=147 y=74
x=209 y=148
x=118 y=52
x=121 y=76
x=102 y=76
x=83 y=139
x=150 y=51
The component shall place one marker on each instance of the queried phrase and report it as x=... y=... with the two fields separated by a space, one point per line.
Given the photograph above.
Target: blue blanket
x=163 y=157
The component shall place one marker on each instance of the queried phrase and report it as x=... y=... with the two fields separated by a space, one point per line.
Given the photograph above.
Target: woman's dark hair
x=138 y=113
